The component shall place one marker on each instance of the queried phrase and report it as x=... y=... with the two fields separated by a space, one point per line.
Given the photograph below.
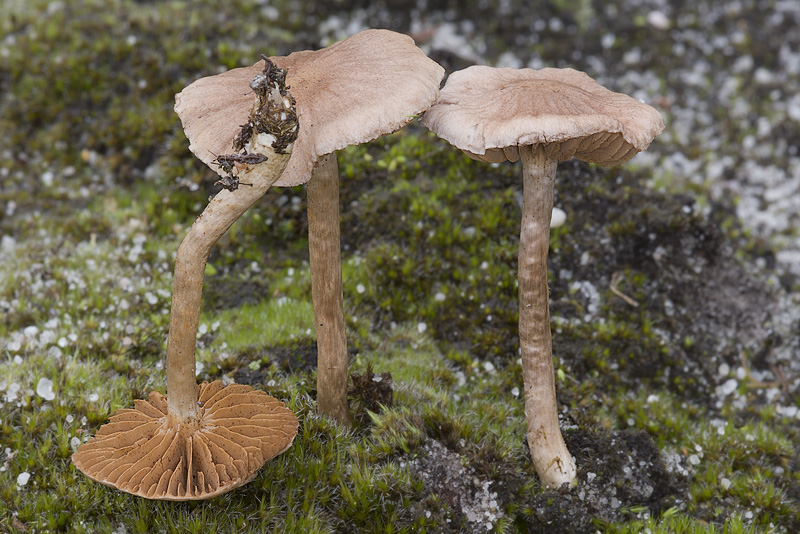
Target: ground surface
x=674 y=282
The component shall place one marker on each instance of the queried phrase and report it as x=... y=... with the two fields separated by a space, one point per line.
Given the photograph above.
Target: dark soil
x=369 y=392
x=620 y=471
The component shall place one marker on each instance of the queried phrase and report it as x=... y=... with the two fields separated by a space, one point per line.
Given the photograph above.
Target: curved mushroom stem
x=550 y=456
x=190 y=264
x=326 y=290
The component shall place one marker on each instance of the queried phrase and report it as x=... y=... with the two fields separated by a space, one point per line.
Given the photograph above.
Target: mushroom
x=356 y=90
x=204 y=440
x=541 y=117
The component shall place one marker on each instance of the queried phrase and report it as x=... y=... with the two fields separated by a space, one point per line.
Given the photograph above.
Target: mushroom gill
x=141 y=452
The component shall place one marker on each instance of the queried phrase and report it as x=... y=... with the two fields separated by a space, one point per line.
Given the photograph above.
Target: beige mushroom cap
x=351 y=92
x=489 y=112
x=140 y=451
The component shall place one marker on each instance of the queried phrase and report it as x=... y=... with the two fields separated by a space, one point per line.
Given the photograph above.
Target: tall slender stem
x=190 y=266
x=550 y=456
x=326 y=289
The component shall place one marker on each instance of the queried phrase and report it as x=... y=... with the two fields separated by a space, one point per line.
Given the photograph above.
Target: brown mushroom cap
x=351 y=92
x=141 y=451
x=488 y=112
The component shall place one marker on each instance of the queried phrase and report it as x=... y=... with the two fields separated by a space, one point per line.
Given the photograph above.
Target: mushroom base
x=144 y=452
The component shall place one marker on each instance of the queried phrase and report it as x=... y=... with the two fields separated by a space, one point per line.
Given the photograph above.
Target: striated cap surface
x=140 y=451
x=489 y=112
x=351 y=92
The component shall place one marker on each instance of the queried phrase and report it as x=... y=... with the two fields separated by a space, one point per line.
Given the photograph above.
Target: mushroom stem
x=326 y=290
x=190 y=264
x=550 y=456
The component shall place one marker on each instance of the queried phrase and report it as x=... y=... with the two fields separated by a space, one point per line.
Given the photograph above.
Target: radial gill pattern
x=141 y=452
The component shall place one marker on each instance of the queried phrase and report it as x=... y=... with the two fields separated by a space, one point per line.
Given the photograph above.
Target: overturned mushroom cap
x=488 y=112
x=351 y=92
x=141 y=451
